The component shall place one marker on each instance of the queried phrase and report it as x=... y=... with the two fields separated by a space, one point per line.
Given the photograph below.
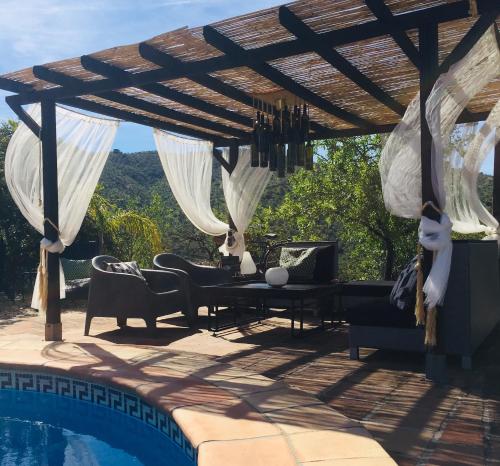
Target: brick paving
x=417 y=422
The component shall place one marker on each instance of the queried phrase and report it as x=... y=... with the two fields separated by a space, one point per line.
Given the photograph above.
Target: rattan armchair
x=123 y=296
x=197 y=278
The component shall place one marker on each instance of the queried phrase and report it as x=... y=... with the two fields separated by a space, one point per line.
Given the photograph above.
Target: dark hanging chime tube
x=301 y=148
x=291 y=156
x=264 y=149
x=309 y=150
x=254 y=148
x=281 y=155
x=273 y=150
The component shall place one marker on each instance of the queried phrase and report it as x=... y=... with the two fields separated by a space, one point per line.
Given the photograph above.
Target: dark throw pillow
x=300 y=262
x=403 y=294
x=130 y=268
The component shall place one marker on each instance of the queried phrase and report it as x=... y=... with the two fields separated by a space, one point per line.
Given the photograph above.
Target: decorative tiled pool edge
x=100 y=395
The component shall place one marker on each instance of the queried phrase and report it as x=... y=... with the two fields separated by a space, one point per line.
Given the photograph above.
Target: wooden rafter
x=110 y=71
x=303 y=32
x=56 y=77
x=384 y=14
x=230 y=48
x=112 y=112
x=160 y=58
x=468 y=41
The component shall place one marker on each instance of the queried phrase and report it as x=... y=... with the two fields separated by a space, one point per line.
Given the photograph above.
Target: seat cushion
x=380 y=314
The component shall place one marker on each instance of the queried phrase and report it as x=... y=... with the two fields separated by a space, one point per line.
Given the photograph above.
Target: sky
x=34 y=32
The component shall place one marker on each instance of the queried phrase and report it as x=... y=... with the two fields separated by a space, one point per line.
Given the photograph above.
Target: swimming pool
x=48 y=419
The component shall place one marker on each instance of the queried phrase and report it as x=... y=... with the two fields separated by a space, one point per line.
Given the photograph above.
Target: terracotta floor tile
x=271 y=451
x=236 y=420
x=402 y=440
x=185 y=391
x=324 y=445
x=279 y=399
x=307 y=418
x=248 y=385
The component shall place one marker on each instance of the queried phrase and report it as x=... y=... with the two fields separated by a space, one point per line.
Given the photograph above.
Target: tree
x=341 y=198
x=18 y=239
x=126 y=234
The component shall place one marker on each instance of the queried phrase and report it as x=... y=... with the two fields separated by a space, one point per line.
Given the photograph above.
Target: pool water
x=45 y=429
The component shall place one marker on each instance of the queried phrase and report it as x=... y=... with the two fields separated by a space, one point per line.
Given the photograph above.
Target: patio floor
x=417 y=422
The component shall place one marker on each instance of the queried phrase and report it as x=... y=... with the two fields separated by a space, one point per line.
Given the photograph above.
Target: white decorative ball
x=277 y=276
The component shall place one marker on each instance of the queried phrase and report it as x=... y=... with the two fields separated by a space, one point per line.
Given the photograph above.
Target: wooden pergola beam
x=303 y=32
x=152 y=54
x=384 y=15
x=25 y=118
x=468 y=41
x=231 y=49
x=217 y=154
x=57 y=77
x=437 y=14
x=119 y=114
x=111 y=71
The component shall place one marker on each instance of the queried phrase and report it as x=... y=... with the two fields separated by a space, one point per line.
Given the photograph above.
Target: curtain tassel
x=430 y=328
x=43 y=283
x=419 y=303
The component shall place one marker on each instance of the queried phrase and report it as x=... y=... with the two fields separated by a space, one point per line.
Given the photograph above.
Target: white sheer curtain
x=243 y=190
x=450 y=95
x=187 y=164
x=463 y=204
x=399 y=165
x=83 y=145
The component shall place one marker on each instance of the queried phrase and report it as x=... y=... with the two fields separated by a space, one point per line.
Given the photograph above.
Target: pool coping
x=231 y=416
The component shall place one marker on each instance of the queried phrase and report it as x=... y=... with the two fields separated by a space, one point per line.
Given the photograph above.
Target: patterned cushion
x=76 y=269
x=300 y=262
x=130 y=268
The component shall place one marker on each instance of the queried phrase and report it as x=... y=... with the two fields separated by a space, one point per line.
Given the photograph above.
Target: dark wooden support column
x=233 y=160
x=435 y=365
x=53 y=326
x=496 y=182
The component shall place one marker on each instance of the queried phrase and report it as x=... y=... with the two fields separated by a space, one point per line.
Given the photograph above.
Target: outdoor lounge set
x=470 y=314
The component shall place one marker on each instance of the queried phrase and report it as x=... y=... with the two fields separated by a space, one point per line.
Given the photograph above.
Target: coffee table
x=257 y=296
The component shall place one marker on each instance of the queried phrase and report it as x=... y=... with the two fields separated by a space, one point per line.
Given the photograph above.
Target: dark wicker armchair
x=197 y=278
x=123 y=296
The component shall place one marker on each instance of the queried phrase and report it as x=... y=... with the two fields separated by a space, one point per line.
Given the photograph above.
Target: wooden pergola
x=357 y=63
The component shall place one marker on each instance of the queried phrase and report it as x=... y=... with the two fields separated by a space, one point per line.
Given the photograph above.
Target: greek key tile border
x=101 y=395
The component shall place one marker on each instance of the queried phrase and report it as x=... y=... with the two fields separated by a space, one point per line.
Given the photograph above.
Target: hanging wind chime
x=281 y=138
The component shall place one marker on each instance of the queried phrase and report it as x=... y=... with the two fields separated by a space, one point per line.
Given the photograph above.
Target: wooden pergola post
x=233 y=160
x=435 y=365
x=53 y=326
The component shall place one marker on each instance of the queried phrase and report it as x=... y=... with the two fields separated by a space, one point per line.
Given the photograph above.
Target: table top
x=288 y=291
